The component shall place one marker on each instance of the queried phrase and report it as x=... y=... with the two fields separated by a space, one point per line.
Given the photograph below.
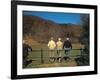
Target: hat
x=23 y=41
x=59 y=39
x=51 y=38
x=67 y=38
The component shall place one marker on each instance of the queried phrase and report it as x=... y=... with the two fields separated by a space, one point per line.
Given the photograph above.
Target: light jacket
x=59 y=45
x=51 y=45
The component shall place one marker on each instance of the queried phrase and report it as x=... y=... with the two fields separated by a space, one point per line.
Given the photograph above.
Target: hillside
x=40 y=30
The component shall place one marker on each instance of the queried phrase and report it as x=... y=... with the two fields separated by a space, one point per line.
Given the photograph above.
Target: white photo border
x=22 y=8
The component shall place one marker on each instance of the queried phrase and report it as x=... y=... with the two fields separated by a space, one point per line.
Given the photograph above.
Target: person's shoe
x=59 y=60
x=51 y=59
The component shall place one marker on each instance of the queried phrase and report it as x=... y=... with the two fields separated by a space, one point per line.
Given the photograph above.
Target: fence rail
x=42 y=52
x=55 y=49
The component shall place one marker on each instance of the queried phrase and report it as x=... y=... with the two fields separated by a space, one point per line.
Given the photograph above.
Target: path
x=69 y=63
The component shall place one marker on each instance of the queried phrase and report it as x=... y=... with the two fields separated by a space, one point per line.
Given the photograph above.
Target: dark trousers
x=67 y=52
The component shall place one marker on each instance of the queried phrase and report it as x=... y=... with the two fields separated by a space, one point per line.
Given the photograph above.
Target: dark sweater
x=67 y=44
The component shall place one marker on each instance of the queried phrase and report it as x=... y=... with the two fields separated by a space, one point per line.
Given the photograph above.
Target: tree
x=84 y=59
x=85 y=25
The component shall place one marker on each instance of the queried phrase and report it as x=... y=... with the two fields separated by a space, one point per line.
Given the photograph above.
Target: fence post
x=81 y=51
x=42 y=61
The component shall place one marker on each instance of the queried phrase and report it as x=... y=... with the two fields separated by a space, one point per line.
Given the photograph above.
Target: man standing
x=59 y=49
x=52 y=45
x=26 y=49
x=67 y=46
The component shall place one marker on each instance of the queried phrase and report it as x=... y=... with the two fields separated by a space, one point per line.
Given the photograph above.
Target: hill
x=41 y=30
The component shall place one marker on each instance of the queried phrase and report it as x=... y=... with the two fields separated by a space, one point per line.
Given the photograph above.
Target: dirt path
x=61 y=64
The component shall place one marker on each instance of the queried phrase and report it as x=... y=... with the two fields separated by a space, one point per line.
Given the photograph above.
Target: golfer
x=67 y=46
x=52 y=46
x=59 y=46
x=26 y=50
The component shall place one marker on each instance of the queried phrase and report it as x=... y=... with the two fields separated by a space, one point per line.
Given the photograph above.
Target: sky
x=58 y=17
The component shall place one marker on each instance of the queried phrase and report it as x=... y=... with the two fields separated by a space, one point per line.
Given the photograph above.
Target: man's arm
x=71 y=45
x=54 y=44
x=48 y=43
x=63 y=45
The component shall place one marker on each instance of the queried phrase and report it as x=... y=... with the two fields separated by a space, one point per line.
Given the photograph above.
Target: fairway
x=37 y=62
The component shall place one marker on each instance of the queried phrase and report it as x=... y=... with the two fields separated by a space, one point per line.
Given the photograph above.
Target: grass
x=36 y=57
